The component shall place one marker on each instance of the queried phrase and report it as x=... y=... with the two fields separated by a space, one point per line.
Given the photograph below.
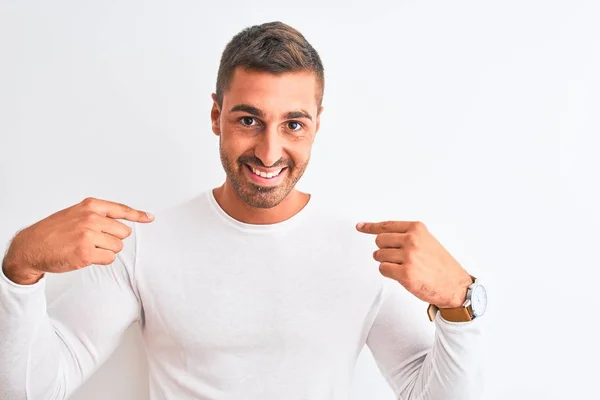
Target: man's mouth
x=265 y=173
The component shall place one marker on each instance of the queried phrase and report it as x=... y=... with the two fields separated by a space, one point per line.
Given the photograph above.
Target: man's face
x=267 y=126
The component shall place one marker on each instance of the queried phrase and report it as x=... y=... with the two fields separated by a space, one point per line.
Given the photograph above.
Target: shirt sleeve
x=424 y=360
x=48 y=351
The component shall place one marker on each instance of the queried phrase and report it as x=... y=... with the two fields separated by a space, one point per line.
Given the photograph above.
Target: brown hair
x=272 y=47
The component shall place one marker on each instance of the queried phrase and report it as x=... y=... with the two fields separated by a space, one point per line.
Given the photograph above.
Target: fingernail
x=360 y=225
x=150 y=215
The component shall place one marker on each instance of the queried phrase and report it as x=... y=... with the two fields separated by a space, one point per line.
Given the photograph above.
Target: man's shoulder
x=337 y=223
x=178 y=216
x=195 y=204
x=337 y=214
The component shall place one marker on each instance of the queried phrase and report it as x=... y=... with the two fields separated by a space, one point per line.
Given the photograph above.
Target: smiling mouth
x=265 y=174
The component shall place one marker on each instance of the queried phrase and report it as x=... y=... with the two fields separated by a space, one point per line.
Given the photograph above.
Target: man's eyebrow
x=258 y=113
x=248 y=109
x=298 y=114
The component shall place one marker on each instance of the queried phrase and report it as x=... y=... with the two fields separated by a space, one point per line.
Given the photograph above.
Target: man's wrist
x=460 y=294
x=19 y=275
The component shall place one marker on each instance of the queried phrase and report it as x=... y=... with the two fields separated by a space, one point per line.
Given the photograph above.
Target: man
x=250 y=290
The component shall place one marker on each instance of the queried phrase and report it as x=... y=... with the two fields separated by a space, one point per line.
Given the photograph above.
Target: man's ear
x=215 y=115
x=318 y=121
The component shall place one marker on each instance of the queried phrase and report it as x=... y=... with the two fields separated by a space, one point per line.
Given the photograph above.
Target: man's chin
x=264 y=197
x=259 y=196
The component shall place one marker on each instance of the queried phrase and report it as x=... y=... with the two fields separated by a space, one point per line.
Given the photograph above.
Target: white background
x=478 y=118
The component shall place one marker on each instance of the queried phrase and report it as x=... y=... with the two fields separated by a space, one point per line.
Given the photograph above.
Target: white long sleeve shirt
x=230 y=310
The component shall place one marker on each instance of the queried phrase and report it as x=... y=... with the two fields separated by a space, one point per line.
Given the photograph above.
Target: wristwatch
x=473 y=307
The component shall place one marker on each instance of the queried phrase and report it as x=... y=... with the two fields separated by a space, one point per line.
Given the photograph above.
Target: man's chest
x=239 y=301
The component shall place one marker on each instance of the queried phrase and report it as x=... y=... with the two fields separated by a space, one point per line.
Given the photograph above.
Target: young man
x=251 y=290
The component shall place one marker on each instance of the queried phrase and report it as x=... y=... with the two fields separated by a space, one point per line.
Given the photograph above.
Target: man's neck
x=234 y=206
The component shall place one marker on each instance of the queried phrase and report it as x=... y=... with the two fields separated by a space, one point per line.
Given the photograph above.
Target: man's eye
x=247 y=121
x=294 y=125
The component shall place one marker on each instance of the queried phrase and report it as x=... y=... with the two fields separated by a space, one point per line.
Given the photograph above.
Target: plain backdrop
x=478 y=118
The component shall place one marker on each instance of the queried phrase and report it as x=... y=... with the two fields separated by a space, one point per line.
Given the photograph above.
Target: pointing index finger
x=121 y=211
x=383 y=227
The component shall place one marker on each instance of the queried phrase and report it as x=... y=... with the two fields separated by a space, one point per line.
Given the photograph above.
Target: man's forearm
x=23 y=327
x=452 y=369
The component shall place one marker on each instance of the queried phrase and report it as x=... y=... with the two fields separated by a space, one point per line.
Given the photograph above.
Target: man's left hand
x=410 y=254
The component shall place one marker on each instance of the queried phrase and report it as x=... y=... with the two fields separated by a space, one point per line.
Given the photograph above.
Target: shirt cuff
x=445 y=325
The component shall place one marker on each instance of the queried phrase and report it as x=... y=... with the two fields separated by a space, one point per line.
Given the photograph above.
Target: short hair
x=271 y=47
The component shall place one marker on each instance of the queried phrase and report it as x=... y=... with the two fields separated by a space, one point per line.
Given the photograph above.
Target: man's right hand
x=76 y=237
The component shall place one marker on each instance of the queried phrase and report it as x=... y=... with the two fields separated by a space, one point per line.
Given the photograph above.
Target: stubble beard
x=260 y=196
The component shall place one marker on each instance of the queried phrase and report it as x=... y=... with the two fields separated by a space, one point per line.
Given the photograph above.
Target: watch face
x=478 y=300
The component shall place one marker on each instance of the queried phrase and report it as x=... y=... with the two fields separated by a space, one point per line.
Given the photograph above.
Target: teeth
x=266 y=174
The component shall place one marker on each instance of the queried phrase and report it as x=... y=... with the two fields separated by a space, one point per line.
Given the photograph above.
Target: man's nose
x=269 y=148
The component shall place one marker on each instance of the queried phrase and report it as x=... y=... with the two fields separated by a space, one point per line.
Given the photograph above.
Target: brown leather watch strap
x=458 y=314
